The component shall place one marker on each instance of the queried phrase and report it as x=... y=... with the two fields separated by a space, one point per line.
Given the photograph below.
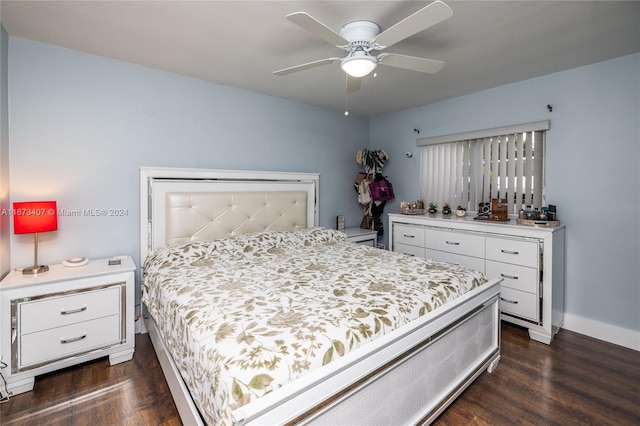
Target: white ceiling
x=239 y=43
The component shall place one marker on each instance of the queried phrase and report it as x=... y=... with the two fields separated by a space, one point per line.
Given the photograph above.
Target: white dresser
x=529 y=259
x=63 y=317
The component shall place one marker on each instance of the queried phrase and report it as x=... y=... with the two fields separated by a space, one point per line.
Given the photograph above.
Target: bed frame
x=388 y=381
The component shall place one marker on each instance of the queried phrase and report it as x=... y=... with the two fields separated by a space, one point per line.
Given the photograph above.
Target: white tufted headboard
x=182 y=205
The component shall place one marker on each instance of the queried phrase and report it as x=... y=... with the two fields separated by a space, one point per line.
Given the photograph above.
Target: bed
x=260 y=316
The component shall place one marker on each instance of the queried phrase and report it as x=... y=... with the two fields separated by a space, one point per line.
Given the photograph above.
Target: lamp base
x=31 y=270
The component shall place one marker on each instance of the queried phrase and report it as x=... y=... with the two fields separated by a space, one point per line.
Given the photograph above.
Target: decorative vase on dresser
x=64 y=317
x=529 y=259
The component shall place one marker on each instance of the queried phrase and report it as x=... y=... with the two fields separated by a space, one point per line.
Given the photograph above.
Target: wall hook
x=549 y=107
x=417 y=131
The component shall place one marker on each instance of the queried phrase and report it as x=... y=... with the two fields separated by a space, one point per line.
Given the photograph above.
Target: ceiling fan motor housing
x=360 y=33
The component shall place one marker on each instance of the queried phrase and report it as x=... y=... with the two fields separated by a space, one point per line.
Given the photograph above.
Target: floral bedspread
x=245 y=315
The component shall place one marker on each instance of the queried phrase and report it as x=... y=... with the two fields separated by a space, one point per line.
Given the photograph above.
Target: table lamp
x=34 y=217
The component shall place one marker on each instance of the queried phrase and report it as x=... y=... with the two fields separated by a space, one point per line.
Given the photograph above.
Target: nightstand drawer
x=405 y=234
x=519 y=303
x=56 y=343
x=514 y=276
x=58 y=311
x=517 y=252
x=456 y=242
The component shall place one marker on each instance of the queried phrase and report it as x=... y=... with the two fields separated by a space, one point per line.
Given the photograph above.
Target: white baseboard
x=603 y=331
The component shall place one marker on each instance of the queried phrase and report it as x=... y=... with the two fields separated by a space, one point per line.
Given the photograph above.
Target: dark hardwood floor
x=95 y=393
x=575 y=381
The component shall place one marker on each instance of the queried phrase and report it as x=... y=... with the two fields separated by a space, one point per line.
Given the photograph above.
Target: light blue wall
x=593 y=152
x=81 y=125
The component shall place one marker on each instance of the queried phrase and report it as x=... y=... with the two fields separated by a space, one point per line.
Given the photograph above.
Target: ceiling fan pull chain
x=346 y=95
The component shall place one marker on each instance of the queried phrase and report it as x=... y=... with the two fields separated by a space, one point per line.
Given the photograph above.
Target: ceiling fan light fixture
x=359 y=64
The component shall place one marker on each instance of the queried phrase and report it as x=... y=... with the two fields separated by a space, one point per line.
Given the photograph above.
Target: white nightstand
x=64 y=317
x=362 y=236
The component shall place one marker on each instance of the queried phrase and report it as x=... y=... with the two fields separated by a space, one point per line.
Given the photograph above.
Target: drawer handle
x=453 y=243
x=74 y=339
x=511 y=277
x=73 y=311
x=509 y=252
x=408 y=236
x=515 y=302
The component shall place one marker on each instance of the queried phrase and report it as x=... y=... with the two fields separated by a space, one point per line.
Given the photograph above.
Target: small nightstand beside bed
x=259 y=316
x=64 y=317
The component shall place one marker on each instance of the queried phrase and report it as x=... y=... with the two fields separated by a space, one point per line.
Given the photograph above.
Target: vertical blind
x=468 y=168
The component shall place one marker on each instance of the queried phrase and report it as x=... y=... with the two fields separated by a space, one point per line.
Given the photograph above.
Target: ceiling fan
x=360 y=38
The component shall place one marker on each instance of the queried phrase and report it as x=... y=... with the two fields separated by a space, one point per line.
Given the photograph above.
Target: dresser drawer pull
x=408 y=236
x=453 y=243
x=515 y=302
x=509 y=252
x=511 y=277
x=74 y=339
x=73 y=311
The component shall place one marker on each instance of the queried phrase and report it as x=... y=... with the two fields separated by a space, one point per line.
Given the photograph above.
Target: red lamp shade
x=35 y=216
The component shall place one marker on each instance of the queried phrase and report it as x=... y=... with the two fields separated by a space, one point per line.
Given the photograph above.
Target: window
x=469 y=168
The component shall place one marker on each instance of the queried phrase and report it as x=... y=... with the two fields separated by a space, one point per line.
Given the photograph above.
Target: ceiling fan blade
x=353 y=84
x=426 y=17
x=309 y=23
x=306 y=66
x=413 y=63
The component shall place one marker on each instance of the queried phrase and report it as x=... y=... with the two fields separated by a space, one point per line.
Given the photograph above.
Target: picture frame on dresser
x=64 y=317
x=529 y=259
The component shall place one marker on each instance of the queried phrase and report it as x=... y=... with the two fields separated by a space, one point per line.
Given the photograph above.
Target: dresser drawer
x=409 y=250
x=456 y=242
x=518 y=252
x=519 y=303
x=474 y=263
x=514 y=276
x=406 y=234
x=68 y=309
x=56 y=343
